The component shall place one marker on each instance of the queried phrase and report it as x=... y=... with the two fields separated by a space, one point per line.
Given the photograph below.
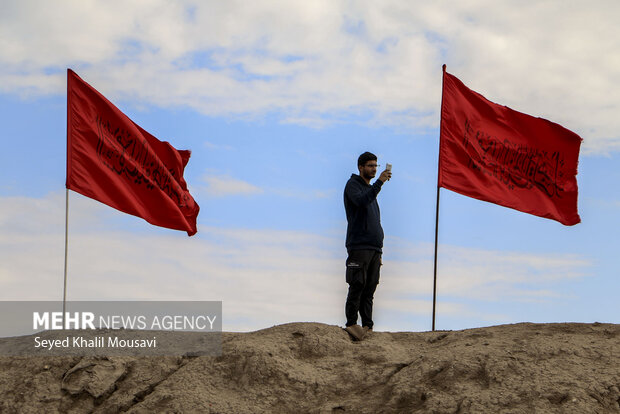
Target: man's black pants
x=363 y=277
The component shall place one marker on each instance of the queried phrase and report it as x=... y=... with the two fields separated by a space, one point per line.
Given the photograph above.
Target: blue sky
x=276 y=100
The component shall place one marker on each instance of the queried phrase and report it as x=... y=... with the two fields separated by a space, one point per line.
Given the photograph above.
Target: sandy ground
x=317 y=368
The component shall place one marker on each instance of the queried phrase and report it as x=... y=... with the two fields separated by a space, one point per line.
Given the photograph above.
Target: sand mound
x=316 y=368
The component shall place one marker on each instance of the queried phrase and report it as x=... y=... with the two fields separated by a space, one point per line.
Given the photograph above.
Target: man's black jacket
x=364 y=229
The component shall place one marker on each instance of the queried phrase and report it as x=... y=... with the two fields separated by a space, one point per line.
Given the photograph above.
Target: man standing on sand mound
x=364 y=242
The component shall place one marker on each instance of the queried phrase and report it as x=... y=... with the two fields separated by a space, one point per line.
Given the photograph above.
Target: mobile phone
x=388 y=167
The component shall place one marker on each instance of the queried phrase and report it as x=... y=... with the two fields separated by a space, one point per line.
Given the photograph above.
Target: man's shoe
x=367 y=330
x=356 y=331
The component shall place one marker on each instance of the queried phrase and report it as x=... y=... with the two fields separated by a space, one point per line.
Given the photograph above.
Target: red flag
x=493 y=153
x=113 y=160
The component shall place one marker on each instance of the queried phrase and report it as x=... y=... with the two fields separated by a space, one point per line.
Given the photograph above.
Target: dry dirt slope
x=316 y=368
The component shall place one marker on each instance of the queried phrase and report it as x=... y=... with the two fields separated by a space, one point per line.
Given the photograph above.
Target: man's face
x=368 y=170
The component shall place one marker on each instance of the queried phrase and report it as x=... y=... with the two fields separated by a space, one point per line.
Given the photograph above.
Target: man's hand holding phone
x=387 y=173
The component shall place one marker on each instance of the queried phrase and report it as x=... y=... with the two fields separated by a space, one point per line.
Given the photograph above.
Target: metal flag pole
x=437 y=208
x=435 y=265
x=64 y=291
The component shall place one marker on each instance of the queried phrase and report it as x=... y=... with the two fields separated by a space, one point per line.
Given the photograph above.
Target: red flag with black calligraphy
x=113 y=160
x=493 y=153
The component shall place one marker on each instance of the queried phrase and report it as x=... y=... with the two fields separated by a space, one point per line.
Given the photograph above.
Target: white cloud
x=220 y=186
x=483 y=274
x=225 y=185
x=326 y=61
x=263 y=277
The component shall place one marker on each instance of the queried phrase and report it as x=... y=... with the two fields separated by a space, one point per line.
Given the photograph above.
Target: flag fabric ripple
x=496 y=154
x=113 y=160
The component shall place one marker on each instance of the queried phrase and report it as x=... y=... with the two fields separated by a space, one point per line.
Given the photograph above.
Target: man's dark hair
x=365 y=157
